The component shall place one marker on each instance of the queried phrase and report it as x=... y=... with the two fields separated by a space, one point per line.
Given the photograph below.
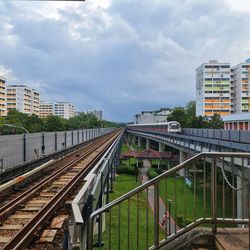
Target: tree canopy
x=187 y=118
x=50 y=123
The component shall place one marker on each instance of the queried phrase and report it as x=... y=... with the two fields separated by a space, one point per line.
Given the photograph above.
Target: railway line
x=21 y=186
x=27 y=213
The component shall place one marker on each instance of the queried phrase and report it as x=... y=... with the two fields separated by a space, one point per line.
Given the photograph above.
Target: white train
x=169 y=127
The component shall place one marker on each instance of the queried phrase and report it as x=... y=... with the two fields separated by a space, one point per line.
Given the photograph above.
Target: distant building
x=64 y=109
x=22 y=99
x=3 y=110
x=241 y=88
x=96 y=113
x=222 y=89
x=237 y=121
x=213 y=89
x=45 y=109
x=152 y=116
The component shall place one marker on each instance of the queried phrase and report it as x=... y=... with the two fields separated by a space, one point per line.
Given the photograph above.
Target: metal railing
x=209 y=189
x=94 y=185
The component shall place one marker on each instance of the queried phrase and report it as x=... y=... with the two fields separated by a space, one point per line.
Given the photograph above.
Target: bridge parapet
x=93 y=194
x=194 y=142
x=206 y=196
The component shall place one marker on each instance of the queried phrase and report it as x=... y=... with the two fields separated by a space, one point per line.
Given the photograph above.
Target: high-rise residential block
x=2 y=97
x=64 y=109
x=96 y=113
x=45 y=109
x=213 y=89
x=241 y=87
x=23 y=99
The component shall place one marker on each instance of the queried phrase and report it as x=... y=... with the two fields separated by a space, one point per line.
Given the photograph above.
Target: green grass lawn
x=184 y=210
x=185 y=199
x=137 y=217
x=125 y=148
x=136 y=147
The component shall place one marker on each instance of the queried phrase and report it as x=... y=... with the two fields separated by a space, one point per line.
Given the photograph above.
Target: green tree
x=216 y=122
x=179 y=114
x=33 y=123
x=191 y=114
x=53 y=123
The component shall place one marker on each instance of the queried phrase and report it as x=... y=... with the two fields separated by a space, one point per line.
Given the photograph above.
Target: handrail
x=166 y=174
x=89 y=178
x=216 y=160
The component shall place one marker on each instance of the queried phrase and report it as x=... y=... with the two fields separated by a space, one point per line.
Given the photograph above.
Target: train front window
x=174 y=126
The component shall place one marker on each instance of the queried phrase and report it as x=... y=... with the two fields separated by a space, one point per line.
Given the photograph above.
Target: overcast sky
x=121 y=56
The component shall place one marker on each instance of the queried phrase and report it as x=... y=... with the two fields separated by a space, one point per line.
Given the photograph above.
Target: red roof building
x=151 y=154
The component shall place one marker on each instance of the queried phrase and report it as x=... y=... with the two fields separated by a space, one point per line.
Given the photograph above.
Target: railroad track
x=25 y=215
x=36 y=179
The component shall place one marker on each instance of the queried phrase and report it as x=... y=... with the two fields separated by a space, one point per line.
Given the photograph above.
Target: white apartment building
x=23 y=99
x=222 y=89
x=3 y=110
x=213 y=89
x=45 y=109
x=64 y=109
x=96 y=113
x=241 y=87
x=152 y=116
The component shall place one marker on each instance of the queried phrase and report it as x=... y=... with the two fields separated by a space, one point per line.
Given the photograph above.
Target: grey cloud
x=135 y=55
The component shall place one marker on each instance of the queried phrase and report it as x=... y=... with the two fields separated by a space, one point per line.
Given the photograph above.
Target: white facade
x=64 y=109
x=241 y=86
x=3 y=108
x=96 y=113
x=23 y=99
x=213 y=89
x=152 y=116
x=45 y=109
x=222 y=89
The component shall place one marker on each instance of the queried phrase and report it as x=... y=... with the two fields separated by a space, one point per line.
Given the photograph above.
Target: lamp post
x=15 y=126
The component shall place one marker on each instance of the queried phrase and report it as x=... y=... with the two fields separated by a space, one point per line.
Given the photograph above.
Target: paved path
x=163 y=213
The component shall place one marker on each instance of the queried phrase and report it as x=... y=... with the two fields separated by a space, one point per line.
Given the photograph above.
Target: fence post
x=65 y=139
x=43 y=144
x=156 y=215
x=55 y=141
x=24 y=148
x=78 y=136
x=214 y=194
x=72 y=137
x=248 y=197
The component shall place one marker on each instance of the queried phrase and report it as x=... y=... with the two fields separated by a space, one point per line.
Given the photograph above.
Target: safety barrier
x=17 y=149
x=209 y=189
x=97 y=185
x=219 y=134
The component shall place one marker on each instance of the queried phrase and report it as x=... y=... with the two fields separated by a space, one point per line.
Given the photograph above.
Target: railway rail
x=26 y=214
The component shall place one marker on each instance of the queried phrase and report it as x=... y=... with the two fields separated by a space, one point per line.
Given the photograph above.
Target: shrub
x=126 y=169
x=152 y=173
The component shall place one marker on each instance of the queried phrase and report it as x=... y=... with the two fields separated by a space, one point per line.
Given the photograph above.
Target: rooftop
x=237 y=117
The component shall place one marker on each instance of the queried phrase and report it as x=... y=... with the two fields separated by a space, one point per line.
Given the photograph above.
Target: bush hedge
x=126 y=169
x=152 y=173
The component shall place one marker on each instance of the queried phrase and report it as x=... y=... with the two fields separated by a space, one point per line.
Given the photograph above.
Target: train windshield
x=174 y=126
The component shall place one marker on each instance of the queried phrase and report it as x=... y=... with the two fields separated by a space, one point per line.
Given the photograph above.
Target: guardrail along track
x=23 y=216
x=11 y=197
x=37 y=178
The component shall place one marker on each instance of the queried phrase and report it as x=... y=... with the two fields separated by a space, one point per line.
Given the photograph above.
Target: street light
x=15 y=126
